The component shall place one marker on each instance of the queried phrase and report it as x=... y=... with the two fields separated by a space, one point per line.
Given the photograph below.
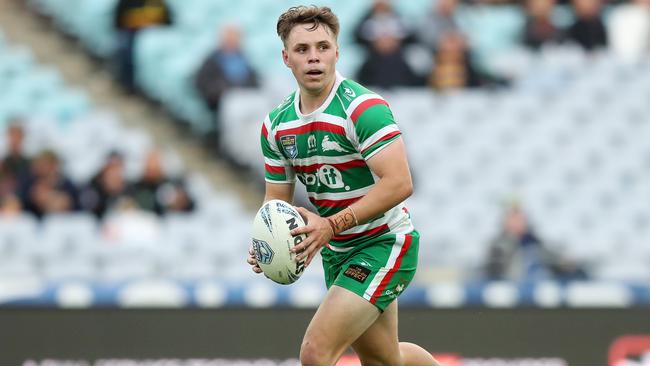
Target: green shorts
x=378 y=270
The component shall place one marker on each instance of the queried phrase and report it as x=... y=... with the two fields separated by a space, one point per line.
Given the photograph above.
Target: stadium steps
x=50 y=47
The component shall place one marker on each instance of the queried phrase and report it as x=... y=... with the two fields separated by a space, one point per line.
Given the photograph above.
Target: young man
x=341 y=141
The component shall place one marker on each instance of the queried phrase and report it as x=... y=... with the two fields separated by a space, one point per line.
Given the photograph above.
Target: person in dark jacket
x=225 y=68
x=157 y=192
x=539 y=28
x=107 y=189
x=517 y=253
x=588 y=30
x=47 y=189
x=386 y=66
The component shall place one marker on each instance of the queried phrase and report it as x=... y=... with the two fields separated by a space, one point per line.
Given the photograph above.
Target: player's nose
x=313 y=56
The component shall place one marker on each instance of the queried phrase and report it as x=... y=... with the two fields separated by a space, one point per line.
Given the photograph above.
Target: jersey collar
x=296 y=101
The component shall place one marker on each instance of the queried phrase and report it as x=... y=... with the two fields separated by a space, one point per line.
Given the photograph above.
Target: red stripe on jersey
x=334 y=203
x=265 y=132
x=365 y=105
x=340 y=166
x=313 y=126
x=391 y=272
x=390 y=135
x=370 y=232
x=274 y=169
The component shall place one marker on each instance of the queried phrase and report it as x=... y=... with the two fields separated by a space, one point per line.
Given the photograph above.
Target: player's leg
x=340 y=319
x=379 y=345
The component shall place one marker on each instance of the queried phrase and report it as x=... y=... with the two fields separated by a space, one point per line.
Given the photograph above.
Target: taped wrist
x=343 y=220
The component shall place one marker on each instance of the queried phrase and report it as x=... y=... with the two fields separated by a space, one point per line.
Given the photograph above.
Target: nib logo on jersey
x=326 y=175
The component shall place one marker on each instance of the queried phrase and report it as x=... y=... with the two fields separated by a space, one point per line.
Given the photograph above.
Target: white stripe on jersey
x=323 y=117
x=339 y=195
x=269 y=137
x=273 y=162
x=360 y=99
x=383 y=271
x=319 y=159
x=378 y=136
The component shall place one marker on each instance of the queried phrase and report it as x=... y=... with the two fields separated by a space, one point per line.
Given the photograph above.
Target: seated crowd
x=39 y=186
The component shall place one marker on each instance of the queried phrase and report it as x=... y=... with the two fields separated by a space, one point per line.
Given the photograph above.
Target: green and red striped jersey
x=327 y=150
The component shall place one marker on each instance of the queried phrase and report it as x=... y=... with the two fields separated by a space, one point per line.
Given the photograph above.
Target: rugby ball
x=272 y=241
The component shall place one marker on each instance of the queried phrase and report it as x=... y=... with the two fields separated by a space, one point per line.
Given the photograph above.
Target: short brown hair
x=307 y=15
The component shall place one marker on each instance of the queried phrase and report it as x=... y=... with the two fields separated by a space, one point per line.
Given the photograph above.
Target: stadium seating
x=568 y=140
x=196 y=25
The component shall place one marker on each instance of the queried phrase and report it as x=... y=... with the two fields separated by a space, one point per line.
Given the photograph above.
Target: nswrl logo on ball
x=263 y=251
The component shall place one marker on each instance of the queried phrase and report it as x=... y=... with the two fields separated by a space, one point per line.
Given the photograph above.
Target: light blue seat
x=154 y=47
x=94 y=24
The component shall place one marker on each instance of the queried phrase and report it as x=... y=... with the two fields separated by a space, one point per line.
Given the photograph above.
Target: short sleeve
x=374 y=125
x=276 y=168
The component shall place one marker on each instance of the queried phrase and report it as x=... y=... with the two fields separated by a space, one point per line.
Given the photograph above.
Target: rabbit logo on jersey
x=326 y=175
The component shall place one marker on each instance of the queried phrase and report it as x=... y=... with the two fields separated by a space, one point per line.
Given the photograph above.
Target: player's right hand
x=252 y=261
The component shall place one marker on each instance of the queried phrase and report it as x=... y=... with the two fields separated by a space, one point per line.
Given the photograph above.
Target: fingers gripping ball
x=272 y=241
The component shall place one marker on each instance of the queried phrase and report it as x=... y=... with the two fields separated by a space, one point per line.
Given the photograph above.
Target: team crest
x=289 y=146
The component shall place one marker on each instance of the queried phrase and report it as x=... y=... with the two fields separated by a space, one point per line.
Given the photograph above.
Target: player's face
x=311 y=54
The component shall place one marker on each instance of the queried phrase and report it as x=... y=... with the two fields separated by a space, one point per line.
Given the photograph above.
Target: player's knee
x=313 y=354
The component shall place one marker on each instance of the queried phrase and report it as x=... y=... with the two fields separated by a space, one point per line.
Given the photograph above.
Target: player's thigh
x=379 y=344
x=341 y=318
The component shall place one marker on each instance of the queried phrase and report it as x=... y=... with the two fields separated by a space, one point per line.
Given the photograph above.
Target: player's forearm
x=387 y=193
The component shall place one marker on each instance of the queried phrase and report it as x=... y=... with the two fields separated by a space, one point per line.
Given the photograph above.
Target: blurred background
x=130 y=172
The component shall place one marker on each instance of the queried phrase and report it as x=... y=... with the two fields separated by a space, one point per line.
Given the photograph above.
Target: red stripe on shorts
x=391 y=272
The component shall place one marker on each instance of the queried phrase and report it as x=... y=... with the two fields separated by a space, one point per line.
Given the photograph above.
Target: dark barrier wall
x=581 y=337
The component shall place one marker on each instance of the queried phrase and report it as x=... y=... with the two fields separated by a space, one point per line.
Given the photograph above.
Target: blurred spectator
x=453 y=67
x=10 y=205
x=225 y=68
x=539 y=28
x=492 y=2
x=47 y=190
x=629 y=30
x=131 y=16
x=157 y=192
x=381 y=21
x=517 y=253
x=14 y=167
x=588 y=29
x=15 y=162
x=107 y=189
x=386 y=66
x=440 y=20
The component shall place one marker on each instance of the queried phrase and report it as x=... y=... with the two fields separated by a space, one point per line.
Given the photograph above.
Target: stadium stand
x=567 y=139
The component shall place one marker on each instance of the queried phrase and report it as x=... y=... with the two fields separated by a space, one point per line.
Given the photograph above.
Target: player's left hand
x=319 y=233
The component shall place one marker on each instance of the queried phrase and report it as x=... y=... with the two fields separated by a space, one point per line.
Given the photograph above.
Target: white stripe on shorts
x=394 y=253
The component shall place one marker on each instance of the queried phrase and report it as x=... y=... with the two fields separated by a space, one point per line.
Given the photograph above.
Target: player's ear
x=285 y=57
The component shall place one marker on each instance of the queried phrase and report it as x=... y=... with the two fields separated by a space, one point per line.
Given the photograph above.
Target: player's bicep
x=391 y=161
x=279 y=191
